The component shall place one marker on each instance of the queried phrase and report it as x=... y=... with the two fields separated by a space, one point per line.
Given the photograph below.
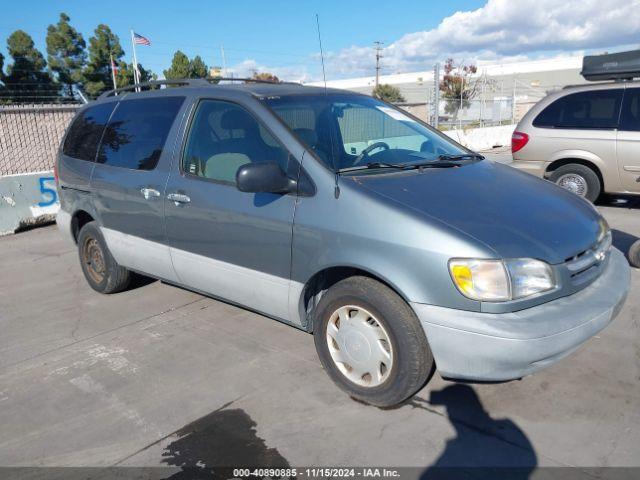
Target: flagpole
x=136 y=80
x=113 y=71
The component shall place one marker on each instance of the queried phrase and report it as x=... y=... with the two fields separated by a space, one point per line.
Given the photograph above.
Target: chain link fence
x=30 y=135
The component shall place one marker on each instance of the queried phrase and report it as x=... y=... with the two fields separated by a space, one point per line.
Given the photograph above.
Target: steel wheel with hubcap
x=574 y=183
x=370 y=342
x=359 y=346
x=579 y=179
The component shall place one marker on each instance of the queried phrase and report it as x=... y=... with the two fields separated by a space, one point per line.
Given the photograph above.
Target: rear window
x=85 y=132
x=598 y=109
x=137 y=132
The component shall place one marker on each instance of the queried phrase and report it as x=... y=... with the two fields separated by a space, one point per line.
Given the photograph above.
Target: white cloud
x=509 y=28
x=502 y=29
x=246 y=69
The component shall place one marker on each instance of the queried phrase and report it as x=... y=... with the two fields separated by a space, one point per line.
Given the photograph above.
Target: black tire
x=100 y=269
x=591 y=179
x=412 y=363
x=634 y=254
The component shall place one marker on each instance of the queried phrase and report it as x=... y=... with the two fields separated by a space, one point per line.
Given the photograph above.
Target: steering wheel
x=365 y=153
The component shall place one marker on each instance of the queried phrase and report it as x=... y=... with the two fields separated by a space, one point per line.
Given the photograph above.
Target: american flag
x=140 y=40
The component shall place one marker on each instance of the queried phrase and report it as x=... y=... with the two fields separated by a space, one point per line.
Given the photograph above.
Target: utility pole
x=378 y=48
x=436 y=95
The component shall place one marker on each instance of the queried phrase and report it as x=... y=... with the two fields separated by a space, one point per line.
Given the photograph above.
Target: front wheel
x=370 y=342
x=578 y=179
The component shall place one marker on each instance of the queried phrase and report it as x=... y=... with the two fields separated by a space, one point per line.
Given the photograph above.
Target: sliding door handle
x=149 y=193
x=178 y=198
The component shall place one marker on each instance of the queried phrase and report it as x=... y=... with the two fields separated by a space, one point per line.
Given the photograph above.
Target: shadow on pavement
x=475 y=451
x=623 y=240
x=216 y=444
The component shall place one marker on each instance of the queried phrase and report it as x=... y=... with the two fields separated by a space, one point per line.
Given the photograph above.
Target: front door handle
x=178 y=198
x=149 y=193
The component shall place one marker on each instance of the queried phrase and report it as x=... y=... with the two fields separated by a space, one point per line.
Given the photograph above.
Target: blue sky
x=280 y=35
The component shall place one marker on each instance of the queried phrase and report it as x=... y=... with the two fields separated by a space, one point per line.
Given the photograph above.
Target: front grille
x=586 y=266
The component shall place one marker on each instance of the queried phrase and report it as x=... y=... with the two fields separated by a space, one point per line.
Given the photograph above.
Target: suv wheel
x=578 y=179
x=634 y=254
x=371 y=343
x=100 y=269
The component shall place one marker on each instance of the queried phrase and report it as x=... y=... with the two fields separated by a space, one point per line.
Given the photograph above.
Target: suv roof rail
x=193 y=82
x=248 y=80
x=154 y=83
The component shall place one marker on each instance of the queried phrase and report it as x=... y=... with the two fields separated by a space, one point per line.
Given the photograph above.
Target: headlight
x=501 y=280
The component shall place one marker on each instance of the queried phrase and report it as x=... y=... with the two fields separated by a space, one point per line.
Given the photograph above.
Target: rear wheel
x=578 y=179
x=100 y=269
x=371 y=343
x=634 y=254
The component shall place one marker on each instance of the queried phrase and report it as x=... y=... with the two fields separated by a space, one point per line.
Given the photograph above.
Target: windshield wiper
x=441 y=162
x=374 y=165
x=463 y=156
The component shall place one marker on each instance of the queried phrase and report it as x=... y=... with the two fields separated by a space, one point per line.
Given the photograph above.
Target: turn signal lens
x=484 y=280
x=501 y=280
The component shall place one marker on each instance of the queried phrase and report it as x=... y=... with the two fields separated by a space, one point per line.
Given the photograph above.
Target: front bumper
x=495 y=347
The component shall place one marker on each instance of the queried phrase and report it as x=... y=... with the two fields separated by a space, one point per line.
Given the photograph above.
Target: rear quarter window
x=137 y=132
x=85 y=132
x=597 y=109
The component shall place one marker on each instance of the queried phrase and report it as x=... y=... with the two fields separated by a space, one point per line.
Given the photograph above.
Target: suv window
x=594 y=109
x=630 y=117
x=223 y=137
x=85 y=132
x=137 y=132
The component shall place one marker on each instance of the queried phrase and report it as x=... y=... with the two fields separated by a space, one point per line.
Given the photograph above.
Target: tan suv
x=586 y=139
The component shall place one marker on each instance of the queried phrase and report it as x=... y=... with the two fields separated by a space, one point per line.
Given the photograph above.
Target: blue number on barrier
x=45 y=190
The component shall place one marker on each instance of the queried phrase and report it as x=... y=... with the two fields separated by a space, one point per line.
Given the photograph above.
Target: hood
x=512 y=212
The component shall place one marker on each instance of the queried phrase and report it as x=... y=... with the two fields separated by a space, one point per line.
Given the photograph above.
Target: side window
x=137 y=132
x=225 y=136
x=630 y=118
x=594 y=109
x=85 y=132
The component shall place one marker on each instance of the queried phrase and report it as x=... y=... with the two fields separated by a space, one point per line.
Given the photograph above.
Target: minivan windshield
x=348 y=132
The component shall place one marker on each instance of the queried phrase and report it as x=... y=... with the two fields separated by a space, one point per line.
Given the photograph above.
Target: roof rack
x=192 y=82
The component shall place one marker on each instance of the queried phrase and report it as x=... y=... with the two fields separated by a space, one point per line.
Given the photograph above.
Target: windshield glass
x=348 y=131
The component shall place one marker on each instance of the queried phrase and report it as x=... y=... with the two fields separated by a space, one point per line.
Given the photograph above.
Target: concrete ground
x=162 y=376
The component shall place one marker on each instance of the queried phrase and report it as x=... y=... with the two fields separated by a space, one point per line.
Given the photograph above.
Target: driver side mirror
x=267 y=177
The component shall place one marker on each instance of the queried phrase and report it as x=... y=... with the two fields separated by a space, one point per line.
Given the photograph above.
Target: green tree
x=197 y=68
x=458 y=86
x=180 y=66
x=388 y=93
x=124 y=75
x=265 y=77
x=97 y=73
x=26 y=78
x=66 y=53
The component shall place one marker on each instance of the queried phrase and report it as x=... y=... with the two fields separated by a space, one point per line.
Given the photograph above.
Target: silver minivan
x=585 y=139
x=400 y=250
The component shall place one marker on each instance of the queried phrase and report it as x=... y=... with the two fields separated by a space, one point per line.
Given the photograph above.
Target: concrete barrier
x=483 y=138
x=27 y=199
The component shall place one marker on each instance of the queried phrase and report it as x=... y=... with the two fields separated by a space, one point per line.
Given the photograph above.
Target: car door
x=628 y=145
x=225 y=242
x=128 y=181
